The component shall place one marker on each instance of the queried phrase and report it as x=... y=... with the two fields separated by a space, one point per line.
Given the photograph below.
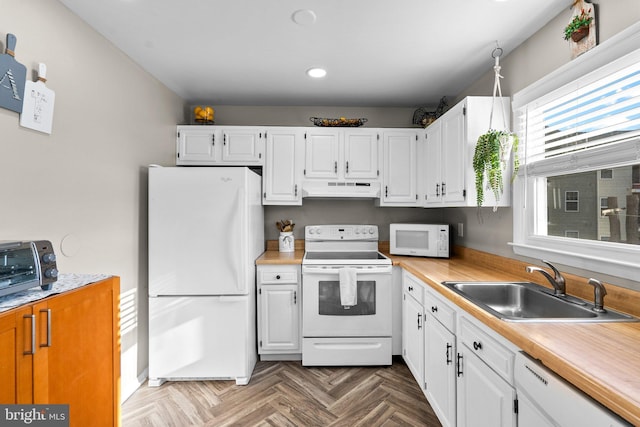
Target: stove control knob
x=319 y=231
x=357 y=231
x=370 y=230
x=51 y=273
x=49 y=257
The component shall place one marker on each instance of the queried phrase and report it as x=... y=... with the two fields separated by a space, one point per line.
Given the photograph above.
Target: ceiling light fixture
x=316 y=73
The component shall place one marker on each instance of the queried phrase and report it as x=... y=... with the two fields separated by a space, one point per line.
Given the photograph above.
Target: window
x=606 y=174
x=571 y=201
x=577 y=197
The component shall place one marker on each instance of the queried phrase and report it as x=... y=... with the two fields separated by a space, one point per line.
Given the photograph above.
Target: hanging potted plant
x=490 y=159
x=578 y=28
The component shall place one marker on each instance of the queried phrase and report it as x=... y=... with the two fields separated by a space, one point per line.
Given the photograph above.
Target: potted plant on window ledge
x=578 y=28
x=490 y=159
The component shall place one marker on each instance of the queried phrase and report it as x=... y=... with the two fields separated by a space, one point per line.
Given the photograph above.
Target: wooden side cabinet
x=65 y=350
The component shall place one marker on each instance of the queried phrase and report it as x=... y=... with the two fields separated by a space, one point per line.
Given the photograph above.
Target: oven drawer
x=346 y=351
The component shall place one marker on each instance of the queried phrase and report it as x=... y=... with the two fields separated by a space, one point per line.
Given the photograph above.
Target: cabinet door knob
x=278 y=276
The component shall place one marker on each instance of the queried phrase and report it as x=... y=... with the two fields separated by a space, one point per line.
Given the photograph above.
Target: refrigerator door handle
x=243 y=249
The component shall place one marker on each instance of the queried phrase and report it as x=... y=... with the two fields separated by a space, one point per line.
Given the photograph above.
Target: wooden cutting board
x=37 y=109
x=12 y=78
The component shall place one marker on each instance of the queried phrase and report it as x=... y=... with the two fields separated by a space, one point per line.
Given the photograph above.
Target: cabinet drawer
x=278 y=276
x=494 y=354
x=441 y=310
x=413 y=286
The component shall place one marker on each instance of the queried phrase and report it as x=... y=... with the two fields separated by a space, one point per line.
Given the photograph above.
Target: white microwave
x=427 y=240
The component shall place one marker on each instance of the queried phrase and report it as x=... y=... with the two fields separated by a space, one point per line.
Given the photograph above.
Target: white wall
x=85 y=184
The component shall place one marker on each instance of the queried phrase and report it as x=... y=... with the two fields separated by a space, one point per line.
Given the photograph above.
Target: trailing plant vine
x=490 y=158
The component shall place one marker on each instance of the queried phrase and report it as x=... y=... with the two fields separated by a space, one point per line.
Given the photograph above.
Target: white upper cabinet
x=220 y=145
x=448 y=178
x=341 y=154
x=361 y=154
x=243 y=145
x=282 y=174
x=399 y=171
x=197 y=145
x=322 y=153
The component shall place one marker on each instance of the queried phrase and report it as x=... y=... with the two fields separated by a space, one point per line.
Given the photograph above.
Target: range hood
x=341 y=189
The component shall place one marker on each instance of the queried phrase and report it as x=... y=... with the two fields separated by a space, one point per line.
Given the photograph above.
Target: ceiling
x=402 y=53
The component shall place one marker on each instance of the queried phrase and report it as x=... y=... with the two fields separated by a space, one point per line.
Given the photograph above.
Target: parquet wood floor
x=287 y=394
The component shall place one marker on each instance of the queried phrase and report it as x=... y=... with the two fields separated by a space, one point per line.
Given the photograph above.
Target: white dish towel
x=348 y=286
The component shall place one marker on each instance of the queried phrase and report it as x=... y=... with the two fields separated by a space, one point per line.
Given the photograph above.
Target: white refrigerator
x=206 y=229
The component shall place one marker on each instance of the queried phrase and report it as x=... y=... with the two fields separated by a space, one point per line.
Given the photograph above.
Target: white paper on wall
x=37 y=108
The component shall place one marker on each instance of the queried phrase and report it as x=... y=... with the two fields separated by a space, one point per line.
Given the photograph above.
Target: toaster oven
x=24 y=265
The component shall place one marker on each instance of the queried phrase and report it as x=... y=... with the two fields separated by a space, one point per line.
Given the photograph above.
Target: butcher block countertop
x=601 y=359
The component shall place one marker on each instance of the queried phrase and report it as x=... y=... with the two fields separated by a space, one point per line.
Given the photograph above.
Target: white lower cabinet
x=413 y=336
x=279 y=311
x=440 y=370
x=464 y=369
x=413 y=325
x=483 y=397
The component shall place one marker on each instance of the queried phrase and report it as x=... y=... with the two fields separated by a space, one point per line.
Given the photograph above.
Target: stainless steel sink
x=530 y=302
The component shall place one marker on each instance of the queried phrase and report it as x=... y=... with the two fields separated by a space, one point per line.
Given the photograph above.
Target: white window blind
x=598 y=109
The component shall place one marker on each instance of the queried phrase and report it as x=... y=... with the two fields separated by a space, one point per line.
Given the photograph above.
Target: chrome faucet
x=557 y=280
x=598 y=295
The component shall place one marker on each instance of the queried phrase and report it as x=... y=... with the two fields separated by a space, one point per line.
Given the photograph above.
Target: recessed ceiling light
x=304 y=17
x=316 y=73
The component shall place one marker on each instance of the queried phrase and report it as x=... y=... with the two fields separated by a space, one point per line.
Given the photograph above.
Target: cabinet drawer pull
x=410 y=288
x=278 y=276
x=437 y=190
x=48 y=311
x=443 y=189
x=32 y=317
x=434 y=308
x=213 y=140
x=449 y=360
x=459 y=363
x=335 y=166
x=295 y=297
x=419 y=318
x=347 y=167
x=477 y=345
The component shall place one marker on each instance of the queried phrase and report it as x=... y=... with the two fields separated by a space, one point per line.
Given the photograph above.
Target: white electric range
x=343 y=259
